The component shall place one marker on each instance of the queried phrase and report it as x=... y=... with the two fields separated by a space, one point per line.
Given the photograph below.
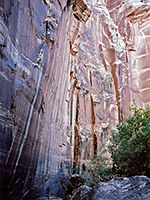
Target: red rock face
x=112 y=69
x=68 y=70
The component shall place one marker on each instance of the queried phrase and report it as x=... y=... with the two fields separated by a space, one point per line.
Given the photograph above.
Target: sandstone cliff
x=68 y=70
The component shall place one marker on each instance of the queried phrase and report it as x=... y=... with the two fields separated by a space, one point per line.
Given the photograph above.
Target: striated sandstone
x=68 y=71
x=112 y=69
x=35 y=150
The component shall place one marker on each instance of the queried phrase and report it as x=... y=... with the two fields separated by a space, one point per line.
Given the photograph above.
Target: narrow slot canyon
x=68 y=71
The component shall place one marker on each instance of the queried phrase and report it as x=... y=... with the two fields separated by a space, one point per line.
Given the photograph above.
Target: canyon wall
x=35 y=136
x=68 y=71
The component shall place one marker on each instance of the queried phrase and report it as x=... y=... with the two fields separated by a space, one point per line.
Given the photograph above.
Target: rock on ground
x=134 y=188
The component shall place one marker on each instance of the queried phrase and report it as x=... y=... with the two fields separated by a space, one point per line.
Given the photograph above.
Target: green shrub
x=130 y=148
x=99 y=169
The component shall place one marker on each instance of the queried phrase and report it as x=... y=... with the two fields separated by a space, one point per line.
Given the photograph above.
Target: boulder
x=134 y=188
x=81 y=193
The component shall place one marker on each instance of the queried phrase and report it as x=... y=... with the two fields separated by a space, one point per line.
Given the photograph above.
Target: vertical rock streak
x=94 y=137
x=26 y=132
x=116 y=85
x=76 y=134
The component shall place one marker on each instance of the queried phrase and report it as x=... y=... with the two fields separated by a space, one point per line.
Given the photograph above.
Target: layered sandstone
x=112 y=69
x=68 y=71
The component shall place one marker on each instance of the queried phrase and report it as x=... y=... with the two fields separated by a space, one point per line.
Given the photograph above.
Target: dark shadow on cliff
x=54 y=186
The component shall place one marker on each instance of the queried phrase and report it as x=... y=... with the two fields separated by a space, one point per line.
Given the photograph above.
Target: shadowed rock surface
x=134 y=188
x=75 y=182
x=35 y=148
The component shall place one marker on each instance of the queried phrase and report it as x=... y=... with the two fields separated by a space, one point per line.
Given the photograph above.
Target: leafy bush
x=130 y=148
x=99 y=169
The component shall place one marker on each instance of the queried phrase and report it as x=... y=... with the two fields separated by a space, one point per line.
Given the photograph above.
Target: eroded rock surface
x=134 y=188
x=68 y=70
x=110 y=69
x=75 y=182
x=35 y=149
